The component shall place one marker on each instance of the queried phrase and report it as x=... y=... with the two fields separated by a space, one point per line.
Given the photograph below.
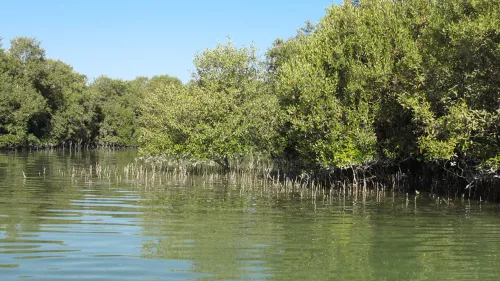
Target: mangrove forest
x=376 y=88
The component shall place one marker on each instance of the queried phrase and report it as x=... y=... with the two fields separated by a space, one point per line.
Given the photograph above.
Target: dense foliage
x=227 y=110
x=375 y=81
x=392 y=80
x=44 y=103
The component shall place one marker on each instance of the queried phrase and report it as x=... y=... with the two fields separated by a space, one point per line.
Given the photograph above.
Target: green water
x=58 y=226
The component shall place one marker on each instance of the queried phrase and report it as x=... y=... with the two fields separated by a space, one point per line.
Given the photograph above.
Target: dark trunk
x=224 y=163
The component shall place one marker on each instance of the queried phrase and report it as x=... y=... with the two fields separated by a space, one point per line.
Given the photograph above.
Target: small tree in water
x=225 y=111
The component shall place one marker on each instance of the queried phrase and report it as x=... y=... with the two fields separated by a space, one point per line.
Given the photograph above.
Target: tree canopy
x=374 y=81
x=45 y=103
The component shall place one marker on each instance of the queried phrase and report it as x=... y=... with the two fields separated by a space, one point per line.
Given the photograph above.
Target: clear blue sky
x=129 y=38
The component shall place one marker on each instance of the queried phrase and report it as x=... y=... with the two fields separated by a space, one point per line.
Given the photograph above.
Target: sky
x=129 y=38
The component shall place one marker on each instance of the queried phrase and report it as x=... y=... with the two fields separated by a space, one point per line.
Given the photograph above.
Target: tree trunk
x=224 y=163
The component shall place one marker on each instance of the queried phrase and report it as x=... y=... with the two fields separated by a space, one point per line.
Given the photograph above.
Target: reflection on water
x=57 y=227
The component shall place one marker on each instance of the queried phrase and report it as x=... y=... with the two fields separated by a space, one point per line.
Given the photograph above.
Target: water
x=59 y=226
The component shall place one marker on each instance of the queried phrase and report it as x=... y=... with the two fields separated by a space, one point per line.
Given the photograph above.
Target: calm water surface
x=56 y=225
